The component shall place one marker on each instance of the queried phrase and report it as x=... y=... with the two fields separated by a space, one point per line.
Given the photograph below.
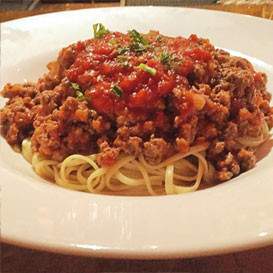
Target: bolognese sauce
x=142 y=94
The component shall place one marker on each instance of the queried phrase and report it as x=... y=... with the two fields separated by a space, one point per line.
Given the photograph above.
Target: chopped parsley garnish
x=139 y=43
x=75 y=86
x=80 y=95
x=123 y=50
x=158 y=38
x=148 y=69
x=99 y=30
x=117 y=91
x=165 y=58
x=78 y=91
x=137 y=47
x=137 y=37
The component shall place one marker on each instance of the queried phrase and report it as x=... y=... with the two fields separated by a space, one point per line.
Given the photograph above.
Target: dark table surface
x=20 y=260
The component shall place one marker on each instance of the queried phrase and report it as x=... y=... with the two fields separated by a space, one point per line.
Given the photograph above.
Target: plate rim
x=140 y=7
x=119 y=252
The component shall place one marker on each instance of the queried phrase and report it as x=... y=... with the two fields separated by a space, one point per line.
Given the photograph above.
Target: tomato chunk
x=198 y=54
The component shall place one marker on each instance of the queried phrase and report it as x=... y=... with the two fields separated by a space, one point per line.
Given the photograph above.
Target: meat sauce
x=141 y=94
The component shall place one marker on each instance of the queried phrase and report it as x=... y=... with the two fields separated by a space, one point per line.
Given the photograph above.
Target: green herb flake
x=75 y=86
x=165 y=58
x=139 y=43
x=80 y=95
x=99 y=30
x=138 y=47
x=148 y=69
x=158 y=38
x=117 y=91
x=123 y=50
x=78 y=91
x=137 y=37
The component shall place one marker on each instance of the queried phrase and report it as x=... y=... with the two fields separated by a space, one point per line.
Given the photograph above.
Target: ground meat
x=215 y=149
x=48 y=100
x=65 y=131
x=222 y=97
x=77 y=139
x=230 y=164
x=46 y=139
x=52 y=139
x=260 y=80
x=123 y=132
x=210 y=131
x=247 y=159
x=101 y=125
x=204 y=89
x=183 y=145
x=50 y=79
x=122 y=120
x=19 y=90
x=250 y=123
x=200 y=73
x=240 y=63
x=188 y=130
x=216 y=112
x=239 y=80
x=232 y=145
x=222 y=176
x=130 y=146
x=148 y=127
x=107 y=155
x=73 y=110
x=136 y=130
x=231 y=131
x=221 y=56
x=16 y=120
x=237 y=76
x=155 y=150
x=112 y=96
x=66 y=57
x=226 y=163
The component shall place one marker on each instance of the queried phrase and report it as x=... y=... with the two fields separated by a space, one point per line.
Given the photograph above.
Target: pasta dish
x=136 y=114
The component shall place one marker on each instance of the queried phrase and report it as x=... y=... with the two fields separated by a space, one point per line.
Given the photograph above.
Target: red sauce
x=198 y=54
x=102 y=64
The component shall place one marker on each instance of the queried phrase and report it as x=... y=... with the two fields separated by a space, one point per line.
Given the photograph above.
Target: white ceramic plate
x=233 y=216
